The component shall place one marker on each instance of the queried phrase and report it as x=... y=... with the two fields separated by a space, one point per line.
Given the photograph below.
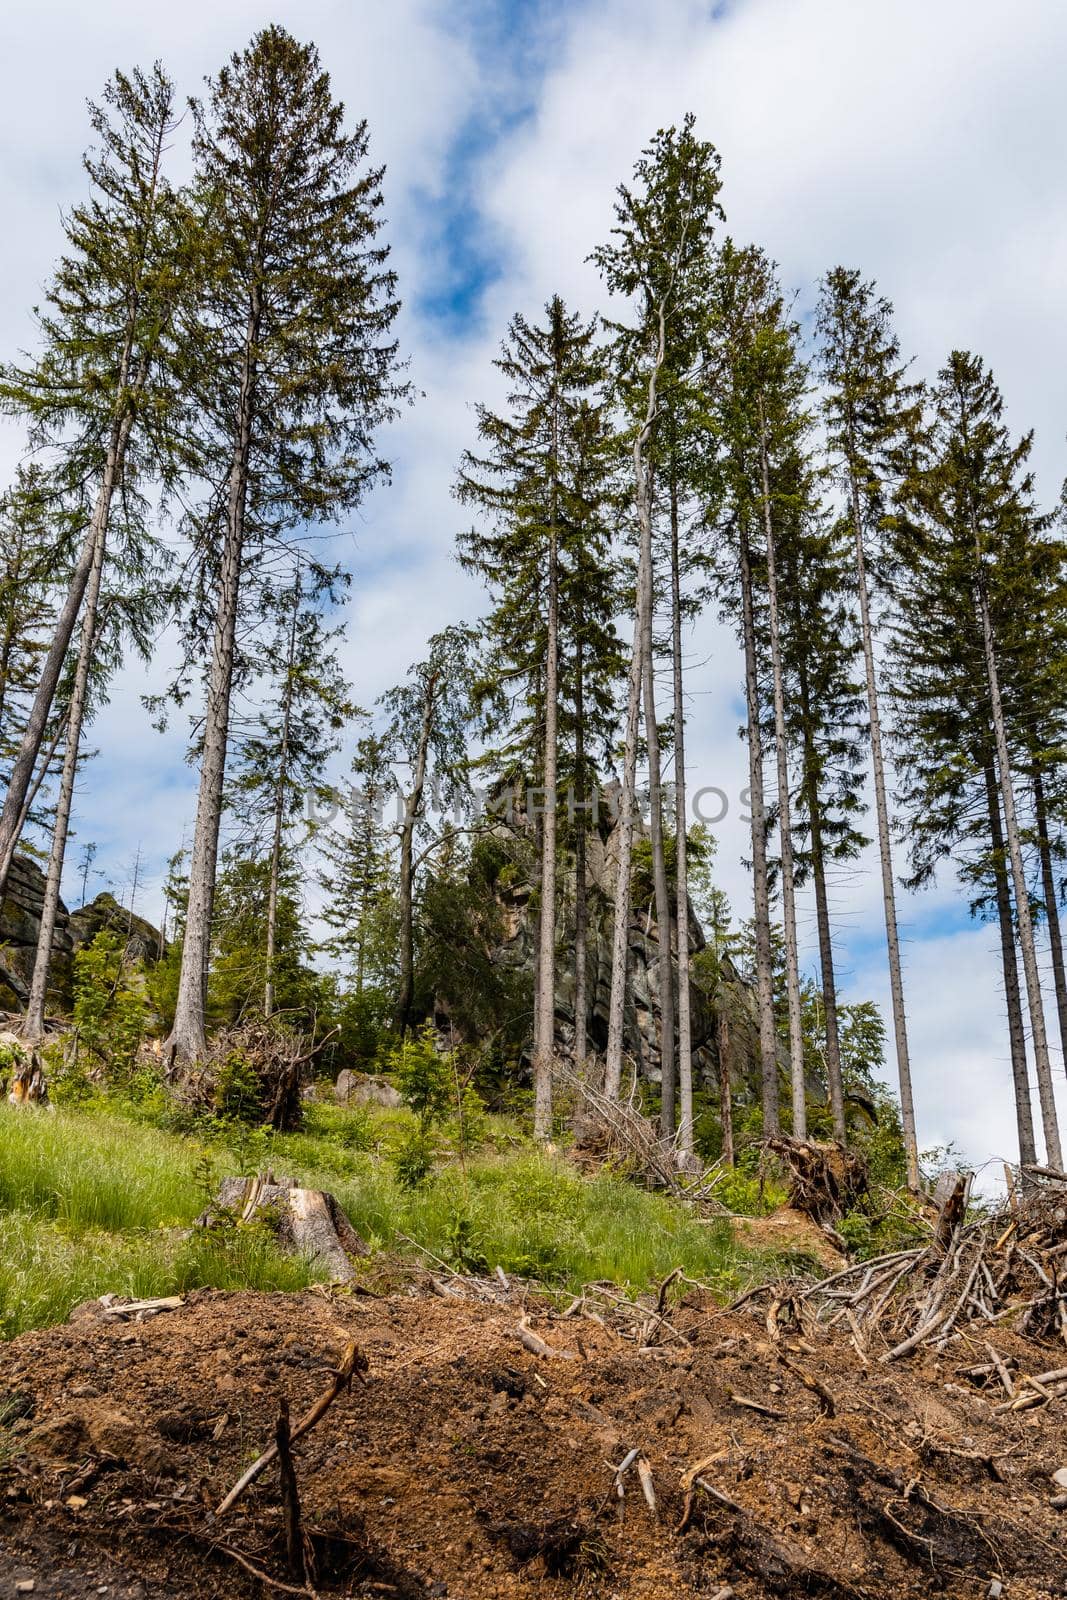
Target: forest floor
x=468 y=1464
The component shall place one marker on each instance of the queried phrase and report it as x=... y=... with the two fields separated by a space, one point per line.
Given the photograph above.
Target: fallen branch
x=353 y=1363
x=537 y=1347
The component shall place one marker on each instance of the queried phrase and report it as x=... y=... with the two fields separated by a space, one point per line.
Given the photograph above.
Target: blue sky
x=923 y=143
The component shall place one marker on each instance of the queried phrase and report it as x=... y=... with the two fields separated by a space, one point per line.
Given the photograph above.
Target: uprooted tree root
x=257 y=1068
x=826 y=1181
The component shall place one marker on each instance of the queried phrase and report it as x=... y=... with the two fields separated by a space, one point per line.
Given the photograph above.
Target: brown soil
x=470 y=1467
x=788 y=1232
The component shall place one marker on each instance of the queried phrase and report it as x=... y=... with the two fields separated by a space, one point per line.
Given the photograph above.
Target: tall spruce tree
x=967 y=526
x=291 y=367
x=826 y=724
x=542 y=480
x=125 y=613
x=358 y=875
x=659 y=259
x=752 y=354
x=870 y=411
x=36 y=529
x=99 y=397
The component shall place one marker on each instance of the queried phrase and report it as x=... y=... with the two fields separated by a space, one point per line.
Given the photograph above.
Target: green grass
x=96 y=1201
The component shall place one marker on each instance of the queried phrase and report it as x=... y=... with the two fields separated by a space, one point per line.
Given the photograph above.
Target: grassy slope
x=93 y=1201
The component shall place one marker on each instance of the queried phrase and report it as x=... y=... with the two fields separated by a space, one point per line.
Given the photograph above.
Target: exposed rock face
x=142 y=940
x=20 y=922
x=642 y=1018
x=362 y=1089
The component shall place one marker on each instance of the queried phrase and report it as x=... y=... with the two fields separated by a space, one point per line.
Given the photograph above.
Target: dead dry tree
x=617 y=1133
x=1004 y=1267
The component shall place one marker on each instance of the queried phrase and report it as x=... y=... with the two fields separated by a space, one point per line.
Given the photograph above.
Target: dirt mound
x=470 y=1463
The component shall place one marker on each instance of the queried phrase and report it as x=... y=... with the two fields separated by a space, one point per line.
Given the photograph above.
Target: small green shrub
x=423 y=1077
x=238 y=1092
x=110 y=1012
x=413 y=1157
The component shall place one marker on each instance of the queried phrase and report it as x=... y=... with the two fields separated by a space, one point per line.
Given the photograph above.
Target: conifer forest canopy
x=570 y=593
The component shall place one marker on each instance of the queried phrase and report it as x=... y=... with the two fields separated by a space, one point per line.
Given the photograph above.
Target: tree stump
x=306 y=1222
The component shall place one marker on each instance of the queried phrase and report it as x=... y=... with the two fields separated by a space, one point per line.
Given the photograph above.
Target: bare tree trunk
x=545 y=1015
x=664 y=964
x=1046 y=1094
x=37 y=721
x=1024 y=1111
x=412 y=813
x=834 y=1080
x=620 y=945
x=885 y=853
x=581 y=887
x=785 y=831
x=187 y=1036
x=280 y=786
x=1052 y=909
x=726 y=1104
x=685 y=1016
x=33 y=1027
x=760 y=893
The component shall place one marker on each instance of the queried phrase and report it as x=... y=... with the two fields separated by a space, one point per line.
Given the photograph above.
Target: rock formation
x=517 y=895
x=20 y=922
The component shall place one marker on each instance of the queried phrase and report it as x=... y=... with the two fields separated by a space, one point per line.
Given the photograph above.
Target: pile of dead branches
x=617 y=1133
x=253 y=1071
x=975 y=1273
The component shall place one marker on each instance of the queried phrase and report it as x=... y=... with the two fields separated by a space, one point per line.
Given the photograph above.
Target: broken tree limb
x=294 y=1534
x=353 y=1363
x=537 y=1347
x=308 y=1222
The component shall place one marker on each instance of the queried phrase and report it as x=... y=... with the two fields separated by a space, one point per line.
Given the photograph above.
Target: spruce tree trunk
x=620 y=944
x=685 y=1017
x=1035 y=1002
x=1024 y=1111
x=785 y=831
x=279 y=813
x=37 y=721
x=885 y=853
x=581 y=889
x=761 y=896
x=412 y=812
x=1052 y=909
x=726 y=1104
x=834 y=1079
x=664 y=964
x=33 y=1026
x=187 y=1036
x=545 y=1014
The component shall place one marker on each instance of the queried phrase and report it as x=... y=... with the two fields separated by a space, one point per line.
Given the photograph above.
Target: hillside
x=465 y=1465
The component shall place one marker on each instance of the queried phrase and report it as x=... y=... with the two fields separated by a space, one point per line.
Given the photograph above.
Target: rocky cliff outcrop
x=143 y=942
x=20 y=923
x=518 y=896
